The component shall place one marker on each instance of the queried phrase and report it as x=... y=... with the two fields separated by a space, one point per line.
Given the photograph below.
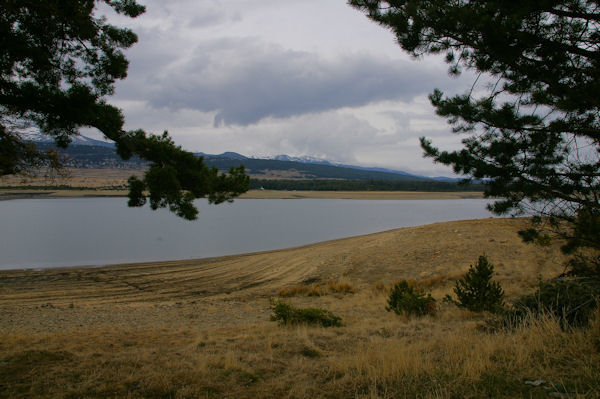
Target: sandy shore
x=363 y=195
x=415 y=253
x=202 y=329
x=6 y=194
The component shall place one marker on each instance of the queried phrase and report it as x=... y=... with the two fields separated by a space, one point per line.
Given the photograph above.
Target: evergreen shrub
x=284 y=313
x=405 y=299
x=572 y=301
x=476 y=291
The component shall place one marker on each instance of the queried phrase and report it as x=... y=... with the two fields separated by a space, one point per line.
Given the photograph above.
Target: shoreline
x=204 y=328
x=306 y=250
x=16 y=193
x=240 y=256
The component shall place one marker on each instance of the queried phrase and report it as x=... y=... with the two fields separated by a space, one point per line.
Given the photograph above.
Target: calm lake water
x=40 y=233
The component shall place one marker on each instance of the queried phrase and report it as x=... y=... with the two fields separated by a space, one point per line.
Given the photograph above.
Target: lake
x=41 y=233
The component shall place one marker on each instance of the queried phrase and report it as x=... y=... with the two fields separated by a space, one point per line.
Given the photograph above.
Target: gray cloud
x=210 y=18
x=245 y=81
x=268 y=77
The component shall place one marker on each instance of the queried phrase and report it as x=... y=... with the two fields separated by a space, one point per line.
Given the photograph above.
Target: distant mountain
x=285 y=166
x=226 y=155
x=77 y=140
x=85 y=152
x=320 y=161
x=276 y=169
x=306 y=159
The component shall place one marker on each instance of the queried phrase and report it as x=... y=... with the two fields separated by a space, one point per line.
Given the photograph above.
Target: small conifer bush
x=405 y=299
x=476 y=291
x=284 y=313
x=587 y=267
x=571 y=301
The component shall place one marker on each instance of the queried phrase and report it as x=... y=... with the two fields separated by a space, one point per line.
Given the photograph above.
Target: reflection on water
x=38 y=233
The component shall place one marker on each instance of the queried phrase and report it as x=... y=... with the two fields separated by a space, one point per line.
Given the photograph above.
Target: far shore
x=7 y=194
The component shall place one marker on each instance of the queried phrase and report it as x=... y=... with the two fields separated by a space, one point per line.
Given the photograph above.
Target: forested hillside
x=88 y=156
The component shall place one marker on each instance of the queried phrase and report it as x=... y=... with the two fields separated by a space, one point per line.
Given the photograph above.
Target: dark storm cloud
x=244 y=81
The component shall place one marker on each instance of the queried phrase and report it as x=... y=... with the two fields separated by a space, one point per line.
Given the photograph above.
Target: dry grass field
x=112 y=182
x=201 y=328
x=76 y=178
x=14 y=193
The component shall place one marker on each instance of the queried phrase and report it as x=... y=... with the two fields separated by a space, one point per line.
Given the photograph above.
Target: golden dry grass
x=76 y=183
x=317 y=289
x=201 y=329
x=113 y=182
x=75 y=177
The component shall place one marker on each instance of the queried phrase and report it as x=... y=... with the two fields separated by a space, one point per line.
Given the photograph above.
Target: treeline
x=361 y=185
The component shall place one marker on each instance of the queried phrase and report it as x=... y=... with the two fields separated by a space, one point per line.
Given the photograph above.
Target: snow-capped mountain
x=76 y=140
x=305 y=159
x=321 y=161
x=228 y=155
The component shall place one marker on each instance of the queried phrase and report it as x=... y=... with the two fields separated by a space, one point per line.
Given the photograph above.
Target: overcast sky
x=268 y=77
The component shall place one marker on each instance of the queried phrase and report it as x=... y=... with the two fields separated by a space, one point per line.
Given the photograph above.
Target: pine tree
x=59 y=63
x=409 y=300
x=531 y=120
x=476 y=291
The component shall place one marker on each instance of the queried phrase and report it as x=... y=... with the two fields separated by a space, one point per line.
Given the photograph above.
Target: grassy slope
x=201 y=328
